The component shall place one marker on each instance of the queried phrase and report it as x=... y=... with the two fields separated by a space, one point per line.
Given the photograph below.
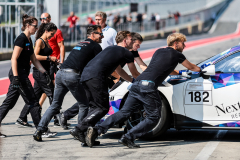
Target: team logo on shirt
x=27 y=47
x=84 y=42
x=77 y=48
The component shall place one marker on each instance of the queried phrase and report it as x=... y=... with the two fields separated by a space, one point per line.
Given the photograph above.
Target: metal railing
x=74 y=34
x=78 y=33
x=7 y=36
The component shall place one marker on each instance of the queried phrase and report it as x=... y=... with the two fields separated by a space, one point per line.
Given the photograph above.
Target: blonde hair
x=102 y=14
x=175 y=37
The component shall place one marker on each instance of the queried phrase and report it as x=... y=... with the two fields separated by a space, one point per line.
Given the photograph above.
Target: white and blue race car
x=210 y=100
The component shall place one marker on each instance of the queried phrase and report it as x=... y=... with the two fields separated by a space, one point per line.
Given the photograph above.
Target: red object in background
x=72 y=20
x=90 y=21
x=4 y=84
x=53 y=42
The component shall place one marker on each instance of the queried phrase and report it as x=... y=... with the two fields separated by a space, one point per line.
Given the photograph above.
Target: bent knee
x=125 y=114
x=154 y=119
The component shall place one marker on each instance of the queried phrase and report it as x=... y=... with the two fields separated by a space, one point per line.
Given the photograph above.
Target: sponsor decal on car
x=229 y=109
x=225 y=79
x=113 y=107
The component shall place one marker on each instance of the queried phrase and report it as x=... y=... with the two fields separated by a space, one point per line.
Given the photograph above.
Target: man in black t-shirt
x=144 y=92
x=137 y=41
x=68 y=78
x=94 y=79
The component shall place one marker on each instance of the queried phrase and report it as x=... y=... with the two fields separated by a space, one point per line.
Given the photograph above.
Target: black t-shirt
x=135 y=54
x=162 y=64
x=24 y=58
x=81 y=54
x=106 y=62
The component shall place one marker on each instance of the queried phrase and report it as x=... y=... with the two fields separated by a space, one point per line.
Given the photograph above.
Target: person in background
x=124 y=18
x=157 y=16
x=109 y=37
x=153 y=17
x=72 y=19
x=108 y=32
x=90 y=21
x=57 y=45
x=110 y=19
x=129 y=18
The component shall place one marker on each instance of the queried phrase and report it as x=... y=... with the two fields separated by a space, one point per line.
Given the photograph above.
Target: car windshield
x=229 y=64
x=212 y=59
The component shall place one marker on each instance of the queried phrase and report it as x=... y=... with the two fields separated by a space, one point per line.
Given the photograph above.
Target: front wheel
x=163 y=123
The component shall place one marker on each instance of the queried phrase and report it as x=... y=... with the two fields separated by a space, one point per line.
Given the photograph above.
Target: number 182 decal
x=199 y=96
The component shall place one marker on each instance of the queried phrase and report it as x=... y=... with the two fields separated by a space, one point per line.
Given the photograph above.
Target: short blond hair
x=102 y=14
x=175 y=37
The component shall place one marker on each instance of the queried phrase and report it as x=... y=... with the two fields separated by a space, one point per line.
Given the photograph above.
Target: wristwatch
x=48 y=59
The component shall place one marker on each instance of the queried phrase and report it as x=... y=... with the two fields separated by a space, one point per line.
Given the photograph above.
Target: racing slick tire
x=162 y=126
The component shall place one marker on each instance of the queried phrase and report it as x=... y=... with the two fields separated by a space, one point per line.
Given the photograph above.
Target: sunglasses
x=35 y=26
x=101 y=34
x=44 y=18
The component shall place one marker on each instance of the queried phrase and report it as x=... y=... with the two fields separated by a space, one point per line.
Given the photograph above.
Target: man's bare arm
x=141 y=64
x=123 y=74
x=191 y=66
x=175 y=72
x=62 y=51
x=133 y=70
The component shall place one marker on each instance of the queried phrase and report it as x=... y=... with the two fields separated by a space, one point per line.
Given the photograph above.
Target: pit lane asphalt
x=184 y=144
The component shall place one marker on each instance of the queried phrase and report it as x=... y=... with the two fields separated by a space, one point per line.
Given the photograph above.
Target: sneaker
x=127 y=142
x=78 y=135
x=22 y=123
x=49 y=134
x=37 y=135
x=2 y=135
x=96 y=143
x=62 y=121
x=92 y=134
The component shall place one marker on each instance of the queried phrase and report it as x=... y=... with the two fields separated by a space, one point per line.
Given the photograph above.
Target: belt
x=71 y=70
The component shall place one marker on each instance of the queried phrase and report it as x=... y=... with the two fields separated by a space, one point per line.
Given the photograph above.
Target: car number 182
x=198 y=97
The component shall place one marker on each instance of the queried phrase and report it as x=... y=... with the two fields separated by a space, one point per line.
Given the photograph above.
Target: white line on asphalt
x=211 y=146
x=3 y=62
x=3 y=78
x=3 y=95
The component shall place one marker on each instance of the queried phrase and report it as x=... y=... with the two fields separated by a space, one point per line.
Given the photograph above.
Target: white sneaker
x=49 y=134
x=2 y=135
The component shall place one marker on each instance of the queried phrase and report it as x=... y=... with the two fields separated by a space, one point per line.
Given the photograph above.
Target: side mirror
x=209 y=70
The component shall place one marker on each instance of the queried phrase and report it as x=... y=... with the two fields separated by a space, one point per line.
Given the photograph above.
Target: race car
x=207 y=100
